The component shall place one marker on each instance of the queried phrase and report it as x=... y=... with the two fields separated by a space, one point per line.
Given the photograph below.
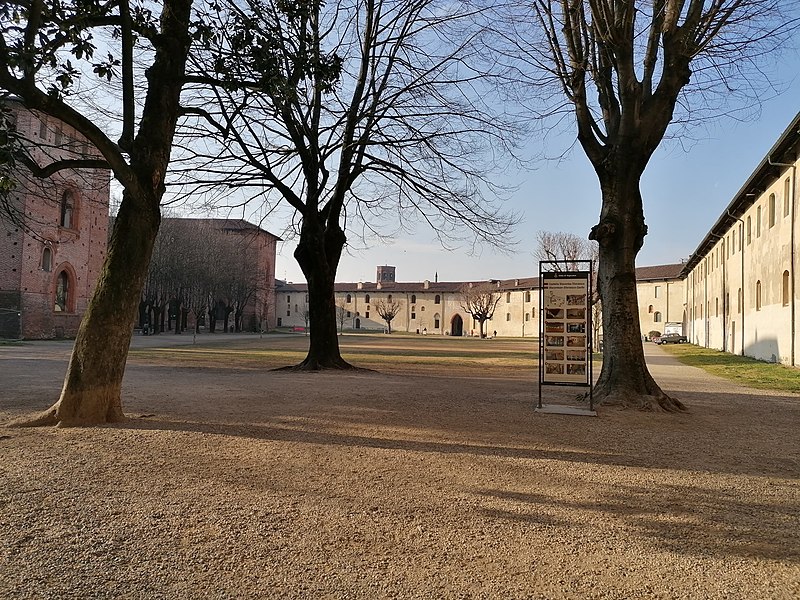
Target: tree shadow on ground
x=682 y=519
x=536 y=445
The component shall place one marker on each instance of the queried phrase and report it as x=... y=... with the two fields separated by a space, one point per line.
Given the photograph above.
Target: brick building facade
x=51 y=255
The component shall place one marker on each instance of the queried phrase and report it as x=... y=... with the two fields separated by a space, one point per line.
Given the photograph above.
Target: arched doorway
x=457 y=326
x=358 y=323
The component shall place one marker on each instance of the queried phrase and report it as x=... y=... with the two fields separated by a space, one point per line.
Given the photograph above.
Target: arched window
x=437 y=299
x=749 y=231
x=785 y=289
x=508 y=297
x=349 y=298
x=758 y=295
x=47 y=259
x=657 y=317
x=758 y=222
x=67 y=209
x=366 y=298
x=650 y=309
x=389 y=299
x=413 y=298
x=508 y=316
x=421 y=309
x=527 y=316
x=436 y=321
x=787 y=193
x=739 y=300
x=527 y=296
x=62 y=298
x=771 y=210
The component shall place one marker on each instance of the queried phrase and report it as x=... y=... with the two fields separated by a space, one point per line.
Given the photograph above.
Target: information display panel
x=565 y=339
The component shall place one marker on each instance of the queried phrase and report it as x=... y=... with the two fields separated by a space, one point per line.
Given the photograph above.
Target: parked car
x=670 y=338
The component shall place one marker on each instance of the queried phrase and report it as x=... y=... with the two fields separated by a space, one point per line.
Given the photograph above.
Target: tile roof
x=224 y=224
x=659 y=272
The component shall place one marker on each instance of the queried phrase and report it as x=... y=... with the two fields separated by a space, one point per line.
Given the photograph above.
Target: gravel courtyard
x=412 y=481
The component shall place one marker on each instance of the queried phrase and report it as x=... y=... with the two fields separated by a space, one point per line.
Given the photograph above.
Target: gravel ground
x=237 y=484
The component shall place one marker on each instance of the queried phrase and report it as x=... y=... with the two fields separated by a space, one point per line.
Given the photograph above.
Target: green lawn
x=381 y=352
x=741 y=369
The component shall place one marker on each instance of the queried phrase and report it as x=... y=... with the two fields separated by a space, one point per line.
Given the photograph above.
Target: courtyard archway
x=457 y=326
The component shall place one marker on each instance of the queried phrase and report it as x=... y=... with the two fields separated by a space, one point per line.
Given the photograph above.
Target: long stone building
x=741 y=281
x=436 y=308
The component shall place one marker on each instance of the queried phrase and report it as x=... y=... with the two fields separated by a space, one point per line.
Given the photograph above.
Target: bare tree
x=208 y=269
x=44 y=49
x=341 y=315
x=386 y=117
x=480 y=301
x=561 y=246
x=388 y=310
x=625 y=70
x=158 y=284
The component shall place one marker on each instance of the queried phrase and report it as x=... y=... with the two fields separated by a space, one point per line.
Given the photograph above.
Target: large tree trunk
x=91 y=391
x=624 y=379
x=318 y=254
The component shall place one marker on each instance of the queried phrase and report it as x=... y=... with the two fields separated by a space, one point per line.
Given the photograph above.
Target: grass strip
x=741 y=369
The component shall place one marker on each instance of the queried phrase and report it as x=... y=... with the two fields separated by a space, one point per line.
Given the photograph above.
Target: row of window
x=745 y=230
x=437 y=299
x=413 y=314
x=527 y=297
x=757 y=298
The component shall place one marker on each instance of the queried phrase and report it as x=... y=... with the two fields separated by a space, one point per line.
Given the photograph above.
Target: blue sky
x=685 y=189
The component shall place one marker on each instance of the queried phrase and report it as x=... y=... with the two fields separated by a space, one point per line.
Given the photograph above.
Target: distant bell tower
x=386 y=274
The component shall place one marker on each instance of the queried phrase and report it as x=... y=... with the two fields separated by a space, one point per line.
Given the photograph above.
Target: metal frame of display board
x=565 y=326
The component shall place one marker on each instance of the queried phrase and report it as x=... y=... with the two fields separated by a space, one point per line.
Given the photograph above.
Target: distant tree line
x=201 y=270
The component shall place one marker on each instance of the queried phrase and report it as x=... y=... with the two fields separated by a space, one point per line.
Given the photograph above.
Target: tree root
x=51 y=418
x=47 y=418
x=315 y=365
x=653 y=402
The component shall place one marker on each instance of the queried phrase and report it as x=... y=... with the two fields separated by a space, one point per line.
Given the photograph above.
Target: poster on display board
x=565 y=327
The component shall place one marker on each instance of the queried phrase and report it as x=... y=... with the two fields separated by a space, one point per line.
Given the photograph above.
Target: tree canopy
x=354 y=114
x=624 y=71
